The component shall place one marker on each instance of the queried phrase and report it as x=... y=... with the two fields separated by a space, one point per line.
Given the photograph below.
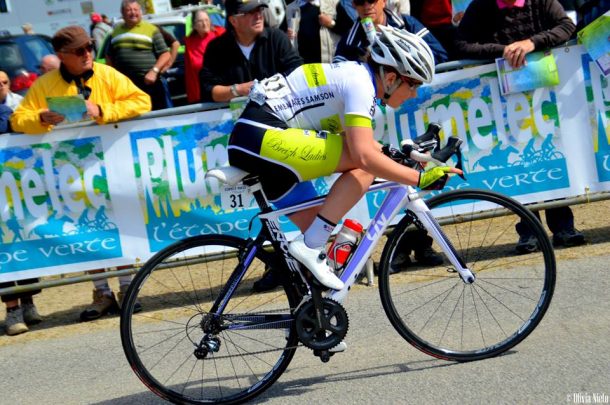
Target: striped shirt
x=134 y=51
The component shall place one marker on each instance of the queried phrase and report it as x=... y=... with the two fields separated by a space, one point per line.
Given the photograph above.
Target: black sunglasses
x=411 y=83
x=361 y=2
x=82 y=50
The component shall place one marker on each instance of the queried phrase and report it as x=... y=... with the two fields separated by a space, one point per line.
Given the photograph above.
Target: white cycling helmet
x=408 y=53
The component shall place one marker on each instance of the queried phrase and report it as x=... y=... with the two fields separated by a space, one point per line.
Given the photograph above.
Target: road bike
x=206 y=337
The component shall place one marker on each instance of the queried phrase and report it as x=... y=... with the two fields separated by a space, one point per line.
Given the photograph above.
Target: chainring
x=334 y=328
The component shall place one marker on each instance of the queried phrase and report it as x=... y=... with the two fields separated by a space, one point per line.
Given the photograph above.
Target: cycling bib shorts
x=282 y=156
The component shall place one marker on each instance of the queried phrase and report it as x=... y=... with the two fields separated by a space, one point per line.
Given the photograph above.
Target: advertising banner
x=92 y=197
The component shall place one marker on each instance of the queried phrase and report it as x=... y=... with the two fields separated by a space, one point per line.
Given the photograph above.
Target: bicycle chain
x=255 y=353
x=261 y=351
x=309 y=346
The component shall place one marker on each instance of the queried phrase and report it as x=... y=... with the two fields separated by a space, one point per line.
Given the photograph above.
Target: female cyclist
x=318 y=121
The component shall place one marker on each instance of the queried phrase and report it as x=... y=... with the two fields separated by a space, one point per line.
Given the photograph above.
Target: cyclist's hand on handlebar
x=435 y=178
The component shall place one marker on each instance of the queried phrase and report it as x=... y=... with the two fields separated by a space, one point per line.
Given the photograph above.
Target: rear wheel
x=430 y=305
x=186 y=354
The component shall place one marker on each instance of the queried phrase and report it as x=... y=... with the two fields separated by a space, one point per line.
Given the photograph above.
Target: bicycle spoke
x=490 y=312
x=450 y=317
x=433 y=308
x=507 y=289
x=241 y=351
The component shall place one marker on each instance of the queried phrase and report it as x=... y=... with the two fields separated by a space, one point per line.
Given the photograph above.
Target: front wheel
x=434 y=310
x=185 y=353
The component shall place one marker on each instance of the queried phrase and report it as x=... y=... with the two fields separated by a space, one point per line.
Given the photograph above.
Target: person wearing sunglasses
x=354 y=42
x=8 y=101
x=7 y=97
x=248 y=50
x=317 y=121
x=354 y=46
x=109 y=95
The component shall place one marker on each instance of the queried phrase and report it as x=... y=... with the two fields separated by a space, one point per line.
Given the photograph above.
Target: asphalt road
x=566 y=360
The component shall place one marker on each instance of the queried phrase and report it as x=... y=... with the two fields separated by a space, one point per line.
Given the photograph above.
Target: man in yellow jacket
x=109 y=95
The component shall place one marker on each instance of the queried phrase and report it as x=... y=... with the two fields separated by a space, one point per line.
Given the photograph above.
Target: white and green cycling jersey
x=319 y=96
x=290 y=131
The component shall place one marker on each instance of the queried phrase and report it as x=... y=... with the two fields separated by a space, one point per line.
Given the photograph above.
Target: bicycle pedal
x=324 y=355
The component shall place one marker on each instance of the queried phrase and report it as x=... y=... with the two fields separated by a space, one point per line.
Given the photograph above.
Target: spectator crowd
x=222 y=63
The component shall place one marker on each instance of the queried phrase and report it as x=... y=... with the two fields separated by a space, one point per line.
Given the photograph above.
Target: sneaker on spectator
x=428 y=257
x=14 y=323
x=570 y=237
x=30 y=314
x=269 y=281
x=136 y=308
x=102 y=304
x=526 y=244
x=315 y=261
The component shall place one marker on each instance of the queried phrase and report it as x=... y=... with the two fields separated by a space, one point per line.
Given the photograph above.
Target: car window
x=35 y=48
x=10 y=57
x=176 y=29
x=217 y=19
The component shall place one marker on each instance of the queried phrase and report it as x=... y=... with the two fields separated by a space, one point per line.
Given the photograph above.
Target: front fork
x=423 y=213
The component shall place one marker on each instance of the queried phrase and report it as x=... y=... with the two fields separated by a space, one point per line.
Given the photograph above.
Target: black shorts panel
x=275 y=180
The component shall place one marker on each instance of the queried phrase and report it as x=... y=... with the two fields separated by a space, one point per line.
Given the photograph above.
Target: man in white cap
x=246 y=51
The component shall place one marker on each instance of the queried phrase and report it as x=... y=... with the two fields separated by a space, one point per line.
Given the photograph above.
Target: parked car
x=20 y=57
x=179 y=24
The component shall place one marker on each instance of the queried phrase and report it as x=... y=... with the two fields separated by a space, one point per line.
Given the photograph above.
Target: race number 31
x=235 y=198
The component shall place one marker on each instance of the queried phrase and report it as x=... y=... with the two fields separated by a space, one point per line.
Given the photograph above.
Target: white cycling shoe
x=341 y=347
x=310 y=258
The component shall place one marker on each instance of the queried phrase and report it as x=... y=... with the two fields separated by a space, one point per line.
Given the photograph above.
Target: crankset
x=321 y=329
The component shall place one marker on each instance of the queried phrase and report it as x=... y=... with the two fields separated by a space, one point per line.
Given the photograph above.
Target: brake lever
x=432 y=133
x=452 y=148
x=424 y=143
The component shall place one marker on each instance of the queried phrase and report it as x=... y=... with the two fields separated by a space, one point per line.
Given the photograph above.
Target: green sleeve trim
x=358 y=121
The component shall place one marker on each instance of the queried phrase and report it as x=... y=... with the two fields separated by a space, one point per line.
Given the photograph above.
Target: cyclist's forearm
x=382 y=166
x=366 y=155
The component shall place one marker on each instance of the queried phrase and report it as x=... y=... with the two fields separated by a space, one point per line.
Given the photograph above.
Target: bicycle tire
x=439 y=314
x=175 y=288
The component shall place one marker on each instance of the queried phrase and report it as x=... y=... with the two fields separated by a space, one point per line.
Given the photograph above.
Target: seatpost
x=254 y=183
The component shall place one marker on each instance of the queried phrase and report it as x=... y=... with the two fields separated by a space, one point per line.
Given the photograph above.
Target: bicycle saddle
x=230 y=175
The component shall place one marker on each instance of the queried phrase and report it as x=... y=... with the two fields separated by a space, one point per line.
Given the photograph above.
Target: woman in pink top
x=195 y=45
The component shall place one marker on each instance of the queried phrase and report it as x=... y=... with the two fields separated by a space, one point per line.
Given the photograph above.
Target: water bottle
x=369 y=29
x=343 y=245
